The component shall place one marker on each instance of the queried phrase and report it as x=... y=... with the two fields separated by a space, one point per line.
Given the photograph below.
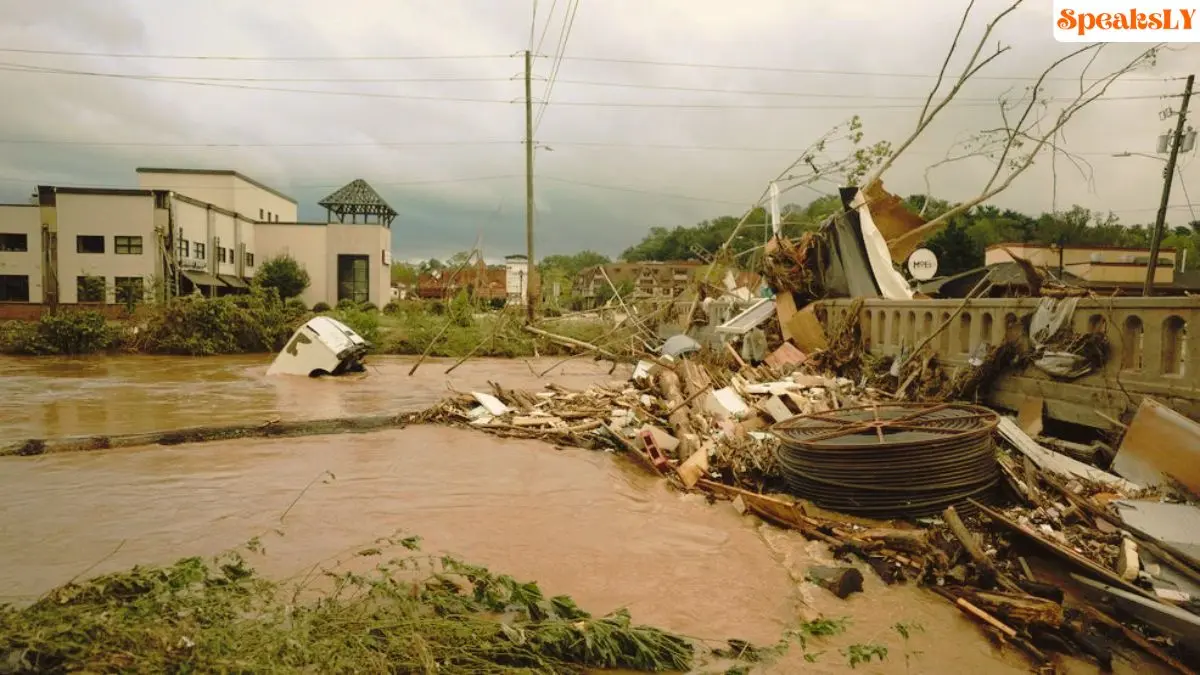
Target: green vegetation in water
x=411 y=614
x=863 y=653
x=259 y=322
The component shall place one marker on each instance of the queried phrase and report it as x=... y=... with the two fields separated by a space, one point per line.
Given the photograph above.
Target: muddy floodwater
x=581 y=523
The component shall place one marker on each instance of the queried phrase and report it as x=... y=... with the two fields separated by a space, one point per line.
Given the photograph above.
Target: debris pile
x=979 y=515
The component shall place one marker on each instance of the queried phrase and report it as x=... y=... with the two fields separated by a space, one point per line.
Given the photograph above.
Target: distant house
x=1100 y=268
x=648 y=279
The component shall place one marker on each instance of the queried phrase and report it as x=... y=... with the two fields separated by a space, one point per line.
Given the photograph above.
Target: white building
x=188 y=230
x=516 y=278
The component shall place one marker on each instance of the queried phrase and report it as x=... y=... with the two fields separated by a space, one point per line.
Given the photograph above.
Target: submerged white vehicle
x=322 y=346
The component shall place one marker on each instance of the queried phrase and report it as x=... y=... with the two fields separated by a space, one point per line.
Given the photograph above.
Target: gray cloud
x=591 y=186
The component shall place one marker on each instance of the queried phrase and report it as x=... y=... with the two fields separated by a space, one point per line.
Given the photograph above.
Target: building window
x=16 y=243
x=89 y=244
x=221 y=253
x=130 y=290
x=277 y=217
x=90 y=289
x=127 y=245
x=14 y=288
x=249 y=260
x=269 y=219
x=354 y=278
x=260 y=214
x=198 y=251
x=184 y=248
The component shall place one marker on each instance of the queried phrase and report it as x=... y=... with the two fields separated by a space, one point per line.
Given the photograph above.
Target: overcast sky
x=440 y=137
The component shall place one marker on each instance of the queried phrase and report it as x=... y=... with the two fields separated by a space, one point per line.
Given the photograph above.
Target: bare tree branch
x=973 y=66
x=1011 y=137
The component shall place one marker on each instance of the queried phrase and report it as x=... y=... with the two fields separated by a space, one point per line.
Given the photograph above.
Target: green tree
x=283 y=273
x=570 y=265
x=404 y=273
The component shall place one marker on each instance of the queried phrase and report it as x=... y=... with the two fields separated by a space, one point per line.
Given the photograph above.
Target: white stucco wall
x=26 y=220
x=106 y=215
x=317 y=247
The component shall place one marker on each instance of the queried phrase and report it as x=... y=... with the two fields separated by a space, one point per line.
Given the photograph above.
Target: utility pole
x=529 y=186
x=1161 y=220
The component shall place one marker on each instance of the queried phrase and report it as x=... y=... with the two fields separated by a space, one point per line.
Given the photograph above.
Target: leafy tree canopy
x=959 y=246
x=283 y=273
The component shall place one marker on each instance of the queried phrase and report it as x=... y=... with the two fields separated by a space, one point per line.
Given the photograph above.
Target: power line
x=798 y=94
x=595 y=59
x=617 y=188
x=564 y=36
x=126 y=186
x=545 y=28
x=821 y=71
x=210 y=57
x=21 y=68
x=457 y=99
x=204 y=82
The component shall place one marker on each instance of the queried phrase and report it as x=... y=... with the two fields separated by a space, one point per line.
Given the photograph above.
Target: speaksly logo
x=1126 y=21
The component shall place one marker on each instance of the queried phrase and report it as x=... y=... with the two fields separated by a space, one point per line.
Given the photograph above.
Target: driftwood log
x=841 y=581
x=1019 y=610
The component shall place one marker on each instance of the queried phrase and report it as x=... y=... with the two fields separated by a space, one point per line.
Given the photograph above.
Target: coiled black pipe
x=891 y=460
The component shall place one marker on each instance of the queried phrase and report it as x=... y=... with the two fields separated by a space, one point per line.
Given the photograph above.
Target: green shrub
x=284 y=274
x=199 y=326
x=321 y=307
x=369 y=307
x=347 y=303
x=68 y=333
x=295 y=307
x=363 y=322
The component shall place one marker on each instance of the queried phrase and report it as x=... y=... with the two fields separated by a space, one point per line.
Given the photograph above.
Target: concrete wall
x=212 y=188
x=108 y=216
x=317 y=246
x=306 y=243
x=256 y=203
x=370 y=240
x=191 y=225
x=26 y=220
x=1149 y=338
x=224 y=189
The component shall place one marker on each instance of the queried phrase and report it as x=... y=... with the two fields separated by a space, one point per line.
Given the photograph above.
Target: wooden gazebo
x=355 y=199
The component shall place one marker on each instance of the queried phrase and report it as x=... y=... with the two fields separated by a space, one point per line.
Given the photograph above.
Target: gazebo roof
x=358 y=198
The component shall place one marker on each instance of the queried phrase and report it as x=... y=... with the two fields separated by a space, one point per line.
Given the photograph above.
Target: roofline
x=127 y=192
x=1073 y=247
x=220 y=172
x=321 y=223
x=213 y=207
x=16 y=204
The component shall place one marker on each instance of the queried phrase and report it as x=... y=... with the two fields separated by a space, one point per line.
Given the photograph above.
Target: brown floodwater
x=51 y=397
x=580 y=523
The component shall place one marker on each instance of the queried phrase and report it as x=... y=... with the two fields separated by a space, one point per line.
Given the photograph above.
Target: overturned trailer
x=322 y=346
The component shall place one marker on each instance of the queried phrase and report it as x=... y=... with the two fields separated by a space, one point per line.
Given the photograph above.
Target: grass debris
x=411 y=614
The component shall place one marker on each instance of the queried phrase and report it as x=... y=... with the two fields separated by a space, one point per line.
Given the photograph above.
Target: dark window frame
x=14 y=242
x=198 y=251
x=91 y=238
x=132 y=243
x=122 y=287
x=11 y=282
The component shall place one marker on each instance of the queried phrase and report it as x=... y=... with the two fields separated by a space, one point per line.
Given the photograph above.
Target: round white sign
x=922 y=264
